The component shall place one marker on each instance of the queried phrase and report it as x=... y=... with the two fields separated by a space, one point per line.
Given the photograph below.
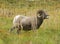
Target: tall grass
x=48 y=33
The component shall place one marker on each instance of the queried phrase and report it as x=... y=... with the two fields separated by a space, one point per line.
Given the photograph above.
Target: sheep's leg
x=12 y=29
x=18 y=31
x=19 y=28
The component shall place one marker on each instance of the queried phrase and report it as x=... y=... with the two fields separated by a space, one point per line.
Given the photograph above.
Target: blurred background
x=48 y=33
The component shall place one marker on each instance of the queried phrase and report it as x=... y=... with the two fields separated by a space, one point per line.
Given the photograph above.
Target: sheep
x=27 y=23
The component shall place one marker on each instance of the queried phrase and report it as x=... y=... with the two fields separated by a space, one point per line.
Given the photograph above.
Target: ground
x=48 y=33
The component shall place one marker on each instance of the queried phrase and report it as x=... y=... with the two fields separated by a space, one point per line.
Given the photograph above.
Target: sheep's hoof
x=18 y=32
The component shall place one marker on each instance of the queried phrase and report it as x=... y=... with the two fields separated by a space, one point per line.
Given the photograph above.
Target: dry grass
x=48 y=33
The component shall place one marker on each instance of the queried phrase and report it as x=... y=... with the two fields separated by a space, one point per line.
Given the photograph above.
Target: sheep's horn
x=39 y=16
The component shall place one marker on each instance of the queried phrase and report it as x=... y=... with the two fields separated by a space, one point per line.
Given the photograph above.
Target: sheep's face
x=42 y=14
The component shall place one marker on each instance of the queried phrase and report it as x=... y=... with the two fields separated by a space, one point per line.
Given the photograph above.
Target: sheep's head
x=42 y=14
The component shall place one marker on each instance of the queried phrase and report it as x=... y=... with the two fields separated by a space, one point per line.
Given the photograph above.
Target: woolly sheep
x=27 y=23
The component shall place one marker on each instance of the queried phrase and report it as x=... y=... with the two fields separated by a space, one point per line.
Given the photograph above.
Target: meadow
x=48 y=33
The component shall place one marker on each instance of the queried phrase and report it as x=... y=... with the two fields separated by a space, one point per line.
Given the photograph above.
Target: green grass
x=42 y=37
x=48 y=33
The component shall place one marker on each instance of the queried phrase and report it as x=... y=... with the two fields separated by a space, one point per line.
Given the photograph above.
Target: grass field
x=48 y=33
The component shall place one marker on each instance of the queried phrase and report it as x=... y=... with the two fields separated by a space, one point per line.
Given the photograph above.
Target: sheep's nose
x=47 y=16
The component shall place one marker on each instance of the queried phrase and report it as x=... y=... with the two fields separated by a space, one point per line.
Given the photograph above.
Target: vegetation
x=48 y=33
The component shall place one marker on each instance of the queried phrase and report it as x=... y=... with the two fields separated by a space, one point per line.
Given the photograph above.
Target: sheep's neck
x=39 y=22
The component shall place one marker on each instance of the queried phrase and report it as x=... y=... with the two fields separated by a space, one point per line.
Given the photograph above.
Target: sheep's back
x=17 y=19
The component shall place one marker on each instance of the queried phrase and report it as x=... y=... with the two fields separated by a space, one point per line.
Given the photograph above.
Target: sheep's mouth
x=47 y=16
